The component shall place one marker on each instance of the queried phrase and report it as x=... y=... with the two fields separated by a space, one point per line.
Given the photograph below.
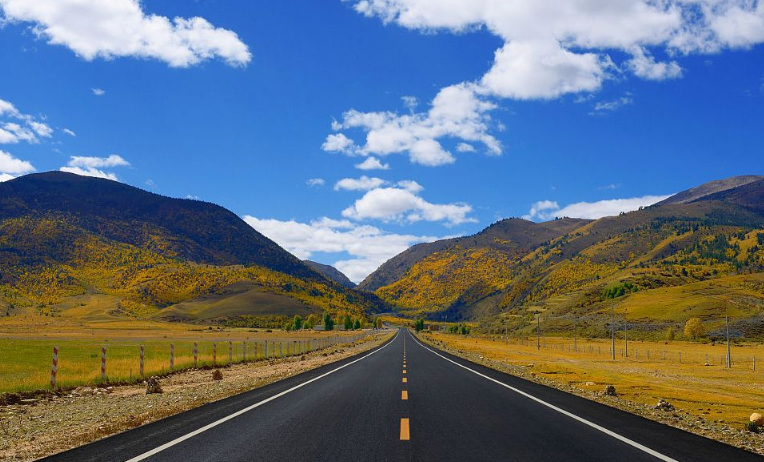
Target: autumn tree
x=297 y=322
x=694 y=328
x=311 y=321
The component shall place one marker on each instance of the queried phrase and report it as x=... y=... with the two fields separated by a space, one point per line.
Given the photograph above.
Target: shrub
x=297 y=322
x=419 y=324
x=751 y=427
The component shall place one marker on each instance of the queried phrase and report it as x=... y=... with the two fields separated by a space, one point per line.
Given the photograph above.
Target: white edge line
x=203 y=429
x=604 y=430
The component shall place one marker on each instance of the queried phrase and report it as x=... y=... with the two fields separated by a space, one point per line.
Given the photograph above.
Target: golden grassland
x=26 y=348
x=712 y=392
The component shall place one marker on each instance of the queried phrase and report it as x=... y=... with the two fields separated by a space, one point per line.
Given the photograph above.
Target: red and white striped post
x=172 y=356
x=230 y=352
x=196 y=352
x=103 y=364
x=142 y=358
x=54 y=368
x=214 y=352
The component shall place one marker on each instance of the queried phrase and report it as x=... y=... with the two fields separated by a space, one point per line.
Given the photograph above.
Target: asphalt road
x=405 y=402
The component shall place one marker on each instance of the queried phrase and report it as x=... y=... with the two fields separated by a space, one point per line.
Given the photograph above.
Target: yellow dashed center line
x=404 y=371
x=405 y=380
x=405 y=430
x=404 y=395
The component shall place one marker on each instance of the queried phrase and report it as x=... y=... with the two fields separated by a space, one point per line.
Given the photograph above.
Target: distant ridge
x=710 y=188
x=332 y=273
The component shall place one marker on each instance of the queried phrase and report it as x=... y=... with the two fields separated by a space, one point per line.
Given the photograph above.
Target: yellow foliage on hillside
x=439 y=280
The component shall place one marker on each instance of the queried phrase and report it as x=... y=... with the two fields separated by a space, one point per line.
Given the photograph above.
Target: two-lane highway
x=405 y=401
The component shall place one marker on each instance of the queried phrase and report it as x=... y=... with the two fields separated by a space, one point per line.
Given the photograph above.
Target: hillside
x=75 y=246
x=710 y=188
x=332 y=273
x=512 y=235
x=705 y=252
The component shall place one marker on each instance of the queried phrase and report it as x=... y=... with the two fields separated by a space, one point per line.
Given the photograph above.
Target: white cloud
x=398 y=204
x=643 y=65
x=11 y=166
x=456 y=112
x=364 y=183
x=339 y=143
x=410 y=102
x=98 y=162
x=550 y=49
x=6 y=177
x=369 y=246
x=315 y=182
x=372 y=163
x=411 y=185
x=92 y=166
x=465 y=147
x=543 y=69
x=613 y=105
x=16 y=126
x=547 y=210
x=69 y=132
x=120 y=28
x=98 y=91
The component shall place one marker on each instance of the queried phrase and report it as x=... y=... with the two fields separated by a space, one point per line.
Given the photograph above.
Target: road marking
x=593 y=425
x=404 y=395
x=194 y=433
x=404 y=371
x=405 y=429
x=405 y=380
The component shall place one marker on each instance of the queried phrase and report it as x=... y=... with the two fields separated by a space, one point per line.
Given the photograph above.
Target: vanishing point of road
x=405 y=401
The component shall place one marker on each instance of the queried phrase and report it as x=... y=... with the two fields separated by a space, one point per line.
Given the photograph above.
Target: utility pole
x=729 y=354
x=538 y=331
x=575 y=336
x=612 y=332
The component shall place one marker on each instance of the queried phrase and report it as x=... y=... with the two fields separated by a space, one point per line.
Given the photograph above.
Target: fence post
x=214 y=353
x=196 y=353
x=244 y=350
x=54 y=368
x=142 y=356
x=103 y=363
x=230 y=352
x=172 y=356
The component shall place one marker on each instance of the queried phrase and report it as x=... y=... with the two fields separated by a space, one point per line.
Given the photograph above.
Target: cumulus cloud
x=372 y=163
x=547 y=210
x=550 y=49
x=98 y=91
x=403 y=204
x=10 y=166
x=456 y=112
x=93 y=166
x=120 y=28
x=315 y=182
x=368 y=246
x=364 y=183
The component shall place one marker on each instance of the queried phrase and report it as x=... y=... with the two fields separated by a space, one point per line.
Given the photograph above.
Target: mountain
x=512 y=235
x=81 y=246
x=332 y=273
x=699 y=253
x=710 y=188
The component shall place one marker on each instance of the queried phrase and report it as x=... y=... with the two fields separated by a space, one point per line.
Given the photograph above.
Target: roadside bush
x=694 y=329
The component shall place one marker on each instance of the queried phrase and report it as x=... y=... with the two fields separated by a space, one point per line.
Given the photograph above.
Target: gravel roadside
x=35 y=428
x=749 y=441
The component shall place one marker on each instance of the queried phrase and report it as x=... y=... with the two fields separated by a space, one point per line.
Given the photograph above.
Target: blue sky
x=478 y=110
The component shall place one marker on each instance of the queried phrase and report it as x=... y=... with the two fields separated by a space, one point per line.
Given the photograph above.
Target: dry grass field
x=26 y=346
x=674 y=371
